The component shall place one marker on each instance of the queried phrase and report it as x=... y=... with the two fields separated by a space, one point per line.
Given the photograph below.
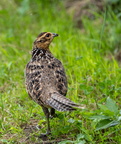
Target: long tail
x=61 y=103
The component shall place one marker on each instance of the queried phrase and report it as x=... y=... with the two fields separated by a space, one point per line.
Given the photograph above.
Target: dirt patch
x=33 y=132
x=31 y=135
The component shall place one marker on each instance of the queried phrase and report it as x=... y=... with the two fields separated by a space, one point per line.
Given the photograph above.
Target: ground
x=89 y=55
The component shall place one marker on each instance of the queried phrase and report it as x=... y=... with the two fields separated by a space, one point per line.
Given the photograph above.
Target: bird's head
x=43 y=40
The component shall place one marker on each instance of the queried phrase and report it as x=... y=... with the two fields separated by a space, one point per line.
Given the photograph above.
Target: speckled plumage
x=44 y=75
x=46 y=80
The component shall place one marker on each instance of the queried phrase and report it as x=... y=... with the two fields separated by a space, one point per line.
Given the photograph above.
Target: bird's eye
x=40 y=40
x=47 y=35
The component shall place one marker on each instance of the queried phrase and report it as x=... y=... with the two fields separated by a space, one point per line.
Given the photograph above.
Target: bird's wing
x=41 y=77
x=34 y=72
x=60 y=77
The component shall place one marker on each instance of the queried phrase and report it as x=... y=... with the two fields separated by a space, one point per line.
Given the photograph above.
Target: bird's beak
x=55 y=35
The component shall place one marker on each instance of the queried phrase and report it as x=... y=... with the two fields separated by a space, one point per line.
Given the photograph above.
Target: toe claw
x=44 y=136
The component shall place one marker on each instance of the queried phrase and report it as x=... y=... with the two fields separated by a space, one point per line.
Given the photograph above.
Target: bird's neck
x=38 y=53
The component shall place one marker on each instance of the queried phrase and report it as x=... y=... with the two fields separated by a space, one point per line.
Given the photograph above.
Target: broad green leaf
x=119 y=118
x=81 y=142
x=105 y=110
x=113 y=123
x=99 y=117
x=103 y=107
x=103 y=124
x=111 y=105
x=80 y=136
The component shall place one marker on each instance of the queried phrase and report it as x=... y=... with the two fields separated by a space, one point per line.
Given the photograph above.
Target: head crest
x=41 y=34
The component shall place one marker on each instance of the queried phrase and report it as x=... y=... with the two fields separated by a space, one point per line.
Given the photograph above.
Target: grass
x=94 y=76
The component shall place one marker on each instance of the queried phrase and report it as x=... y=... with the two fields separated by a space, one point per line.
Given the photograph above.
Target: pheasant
x=46 y=81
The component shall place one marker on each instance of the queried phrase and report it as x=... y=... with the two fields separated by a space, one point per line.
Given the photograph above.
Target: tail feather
x=61 y=103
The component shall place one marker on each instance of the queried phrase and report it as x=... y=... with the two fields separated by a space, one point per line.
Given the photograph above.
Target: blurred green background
x=89 y=46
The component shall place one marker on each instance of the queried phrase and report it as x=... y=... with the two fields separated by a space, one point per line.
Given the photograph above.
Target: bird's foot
x=44 y=136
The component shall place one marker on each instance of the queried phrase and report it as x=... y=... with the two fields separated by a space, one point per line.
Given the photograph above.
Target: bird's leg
x=52 y=112
x=46 y=112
